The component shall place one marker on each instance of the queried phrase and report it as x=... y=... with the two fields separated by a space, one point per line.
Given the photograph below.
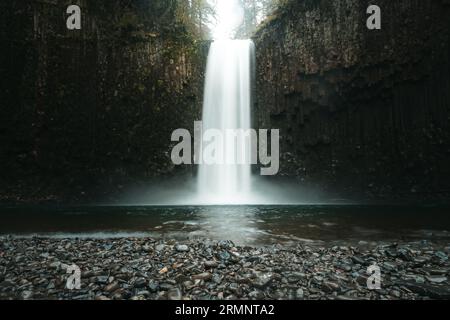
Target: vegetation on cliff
x=360 y=111
x=94 y=107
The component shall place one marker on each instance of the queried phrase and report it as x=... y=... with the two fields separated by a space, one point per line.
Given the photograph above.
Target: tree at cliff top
x=255 y=12
x=197 y=15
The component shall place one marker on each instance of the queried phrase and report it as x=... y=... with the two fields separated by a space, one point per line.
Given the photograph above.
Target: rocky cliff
x=361 y=112
x=96 y=106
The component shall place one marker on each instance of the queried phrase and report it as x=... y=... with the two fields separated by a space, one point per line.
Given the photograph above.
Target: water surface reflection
x=245 y=225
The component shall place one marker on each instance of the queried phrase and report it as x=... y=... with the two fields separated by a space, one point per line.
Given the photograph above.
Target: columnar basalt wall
x=361 y=112
x=96 y=106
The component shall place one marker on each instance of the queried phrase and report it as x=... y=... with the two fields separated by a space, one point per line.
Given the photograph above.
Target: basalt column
x=361 y=112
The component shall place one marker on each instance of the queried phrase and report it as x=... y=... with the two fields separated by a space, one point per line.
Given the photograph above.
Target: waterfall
x=226 y=106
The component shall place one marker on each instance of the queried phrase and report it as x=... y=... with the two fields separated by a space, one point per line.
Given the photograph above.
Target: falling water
x=227 y=100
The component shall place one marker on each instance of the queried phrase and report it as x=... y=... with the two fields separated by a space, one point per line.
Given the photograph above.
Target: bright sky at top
x=229 y=16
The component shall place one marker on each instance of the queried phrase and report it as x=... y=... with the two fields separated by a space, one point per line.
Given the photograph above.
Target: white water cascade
x=226 y=106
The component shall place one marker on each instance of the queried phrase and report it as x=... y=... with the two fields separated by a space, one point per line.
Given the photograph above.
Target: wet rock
x=27 y=295
x=256 y=295
x=441 y=255
x=345 y=267
x=51 y=286
x=226 y=244
x=358 y=260
x=188 y=285
x=216 y=278
x=346 y=298
x=203 y=276
x=163 y=270
x=438 y=272
x=436 y=279
x=182 y=248
x=144 y=293
x=211 y=264
x=112 y=287
x=160 y=247
x=6 y=284
x=262 y=280
x=174 y=294
x=165 y=286
x=140 y=283
x=389 y=266
x=429 y=290
x=329 y=286
x=419 y=261
x=396 y=294
x=416 y=278
x=153 y=286
x=300 y=294
x=128 y=271
x=224 y=255
x=102 y=279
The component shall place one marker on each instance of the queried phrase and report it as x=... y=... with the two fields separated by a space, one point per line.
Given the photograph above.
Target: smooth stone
x=188 y=285
x=436 y=279
x=144 y=293
x=256 y=295
x=6 y=284
x=203 y=276
x=329 y=286
x=163 y=270
x=263 y=280
x=112 y=287
x=165 y=286
x=216 y=278
x=224 y=255
x=346 y=298
x=55 y=265
x=389 y=266
x=419 y=279
x=51 y=286
x=153 y=285
x=182 y=248
x=429 y=290
x=26 y=295
x=395 y=294
x=174 y=294
x=102 y=279
x=438 y=272
x=160 y=247
x=441 y=255
x=358 y=260
x=211 y=264
x=140 y=283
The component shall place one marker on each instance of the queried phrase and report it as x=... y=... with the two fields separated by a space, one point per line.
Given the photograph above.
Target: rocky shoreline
x=149 y=269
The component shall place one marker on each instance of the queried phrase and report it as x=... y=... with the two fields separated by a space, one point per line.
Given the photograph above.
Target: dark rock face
x=95 y=106
x=359 y=110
